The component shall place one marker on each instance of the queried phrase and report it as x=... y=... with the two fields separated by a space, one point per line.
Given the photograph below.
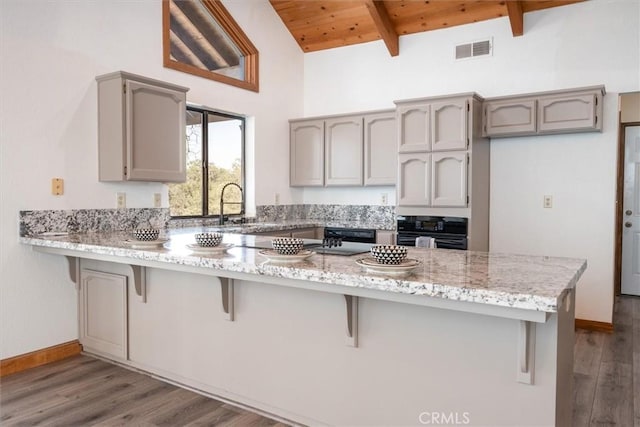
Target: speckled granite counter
x=515 y=281
x=322 y=342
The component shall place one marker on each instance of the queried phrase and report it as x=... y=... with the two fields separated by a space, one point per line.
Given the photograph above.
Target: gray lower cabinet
x=563 y=111
x=141 y=129
x=307 y=233
x=103 y=312
x=384 y=237
x=349 y=150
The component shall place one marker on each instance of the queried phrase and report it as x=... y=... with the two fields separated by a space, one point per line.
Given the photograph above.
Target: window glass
x=217 y=153
x=225 y=163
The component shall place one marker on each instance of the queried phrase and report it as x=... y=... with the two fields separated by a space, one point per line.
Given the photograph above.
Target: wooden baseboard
x=592 y=325
x=39 y=357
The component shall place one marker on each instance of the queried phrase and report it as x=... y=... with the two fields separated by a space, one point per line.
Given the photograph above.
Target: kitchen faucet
x=222 y=202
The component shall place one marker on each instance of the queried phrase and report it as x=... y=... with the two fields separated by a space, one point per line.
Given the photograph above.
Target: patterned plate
x=144 y=244
x=370 y=264
x=220 y=249
x=272 y=255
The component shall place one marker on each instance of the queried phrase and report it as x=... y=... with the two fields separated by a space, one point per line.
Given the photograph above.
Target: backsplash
x=371 y=216
x=83 y=220
x=93 y=220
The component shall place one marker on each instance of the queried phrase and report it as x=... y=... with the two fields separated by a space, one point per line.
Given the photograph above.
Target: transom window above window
x=215 y=157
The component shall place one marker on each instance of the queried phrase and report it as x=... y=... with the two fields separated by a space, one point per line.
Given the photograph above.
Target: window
x=215 y=157
x=200 y=37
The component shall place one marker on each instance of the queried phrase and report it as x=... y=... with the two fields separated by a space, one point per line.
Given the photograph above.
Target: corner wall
x=584 y=44
x=50 y=55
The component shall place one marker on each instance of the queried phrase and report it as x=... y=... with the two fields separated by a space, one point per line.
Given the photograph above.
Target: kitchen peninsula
x=486 y=337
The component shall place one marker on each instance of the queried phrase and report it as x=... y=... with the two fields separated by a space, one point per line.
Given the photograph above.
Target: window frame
x=204 y=167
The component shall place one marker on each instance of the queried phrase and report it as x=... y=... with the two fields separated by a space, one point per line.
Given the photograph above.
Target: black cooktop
x=347 y=248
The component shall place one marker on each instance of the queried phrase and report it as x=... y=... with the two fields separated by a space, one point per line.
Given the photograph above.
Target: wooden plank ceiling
x=325 y=24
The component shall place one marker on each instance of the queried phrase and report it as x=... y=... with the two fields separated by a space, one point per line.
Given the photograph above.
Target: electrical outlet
x=384 y=199
x=121 y=200
x=277 y=199
x=157 y=200
x=57 y=186
x=548 y=201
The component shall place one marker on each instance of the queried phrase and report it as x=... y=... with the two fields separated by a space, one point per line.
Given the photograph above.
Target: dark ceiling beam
x=384 y=25
x=516 y=17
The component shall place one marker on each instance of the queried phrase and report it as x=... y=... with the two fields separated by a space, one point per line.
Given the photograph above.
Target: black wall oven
x=449 y=232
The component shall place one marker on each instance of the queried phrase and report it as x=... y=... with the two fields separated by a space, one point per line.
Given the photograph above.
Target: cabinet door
x=413 y=128
x=343 y=151
x=449 y=125
x=103 y=312
x=380 y=149
x=304 y=233
x=385 y=237
x=414 y=173
x=562 y=114
x=449 y=179
x=505 y=118
x=155 y=133
x=306 y=141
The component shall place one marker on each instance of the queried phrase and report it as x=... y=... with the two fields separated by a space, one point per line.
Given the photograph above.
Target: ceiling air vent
x=474 y=49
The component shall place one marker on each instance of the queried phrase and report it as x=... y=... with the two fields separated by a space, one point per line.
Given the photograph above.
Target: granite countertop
x=518 y=281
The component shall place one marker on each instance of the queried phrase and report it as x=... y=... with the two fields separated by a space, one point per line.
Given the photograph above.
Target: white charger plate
x=273 y=255
x=145 y=244
x=370 y=264
x=220 y=249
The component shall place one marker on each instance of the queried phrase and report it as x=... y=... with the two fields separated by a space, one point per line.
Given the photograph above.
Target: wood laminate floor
x=606 y=371
x=83 y=391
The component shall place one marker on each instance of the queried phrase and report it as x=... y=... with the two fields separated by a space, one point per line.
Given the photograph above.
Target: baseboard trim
x=592 y=325
x=39 y=357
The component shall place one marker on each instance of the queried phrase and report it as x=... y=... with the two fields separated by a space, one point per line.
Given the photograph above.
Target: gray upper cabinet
x=414 y=177
x=515 y=117
x=449 y=179
x=349 y=150
x=571 y=113
x=380 y=149
x=435 y=174
x=449 y=125
x=343 y=151
x=306 y=141
x=414 y=128
x=563 y=111
x=141 y=129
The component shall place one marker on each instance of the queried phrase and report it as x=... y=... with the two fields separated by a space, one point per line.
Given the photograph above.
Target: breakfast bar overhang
x=322 y=342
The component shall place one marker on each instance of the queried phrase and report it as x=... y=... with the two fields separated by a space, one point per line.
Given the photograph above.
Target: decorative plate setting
x=220 y=249
x=370 y=264
x=144 y=244
x=272 y=255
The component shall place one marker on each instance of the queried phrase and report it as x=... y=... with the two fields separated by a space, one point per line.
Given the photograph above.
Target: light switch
x=57 y=186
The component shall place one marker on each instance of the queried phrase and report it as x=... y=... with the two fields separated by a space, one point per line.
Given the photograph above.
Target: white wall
x=590 y=43
x=50 y=53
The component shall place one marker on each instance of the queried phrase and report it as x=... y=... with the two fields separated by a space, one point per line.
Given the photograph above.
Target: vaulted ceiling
x=325 y=24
